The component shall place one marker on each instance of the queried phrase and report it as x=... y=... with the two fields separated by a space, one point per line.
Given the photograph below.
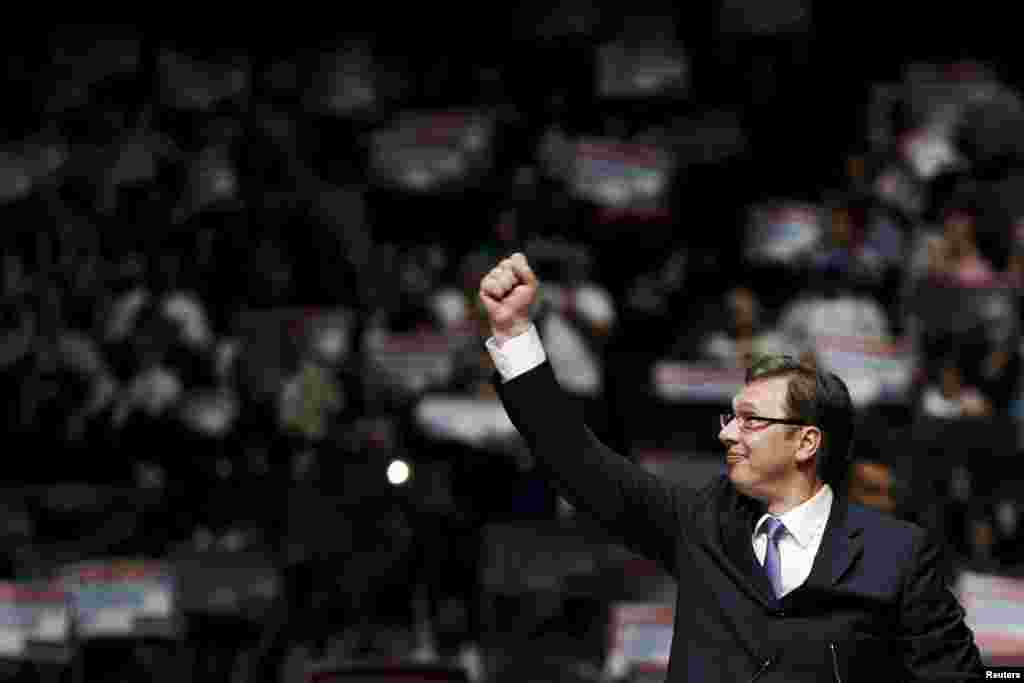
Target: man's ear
x=810 y=442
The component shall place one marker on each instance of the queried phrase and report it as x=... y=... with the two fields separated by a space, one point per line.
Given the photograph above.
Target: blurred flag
x=782 y=232
x=433 y=151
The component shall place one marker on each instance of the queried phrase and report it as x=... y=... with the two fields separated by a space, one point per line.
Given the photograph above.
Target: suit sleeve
x=938 y=644
x=640 y=509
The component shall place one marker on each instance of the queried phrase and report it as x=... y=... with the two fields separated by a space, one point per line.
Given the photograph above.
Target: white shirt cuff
x=517 y=355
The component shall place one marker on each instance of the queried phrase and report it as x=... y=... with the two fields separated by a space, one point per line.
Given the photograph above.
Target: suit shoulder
x=883 y=524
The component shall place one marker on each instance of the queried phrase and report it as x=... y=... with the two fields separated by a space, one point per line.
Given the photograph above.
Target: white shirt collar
x=807 y=520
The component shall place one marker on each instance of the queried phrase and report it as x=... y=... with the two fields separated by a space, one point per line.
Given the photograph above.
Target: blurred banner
x=123 y=598
x=642 y=70
x=995 y=611
x=640 y=638
x=433 y=151
x=782 y=232
x=416 y=361
x=632 y=177
x=472 y=421
x=676 y=381
x=35 y=623
x=875 y=371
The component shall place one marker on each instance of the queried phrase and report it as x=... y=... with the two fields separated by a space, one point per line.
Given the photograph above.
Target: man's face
x=762 y=460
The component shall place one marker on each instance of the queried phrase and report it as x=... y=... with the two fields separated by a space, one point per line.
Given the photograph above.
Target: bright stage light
x=398 y=472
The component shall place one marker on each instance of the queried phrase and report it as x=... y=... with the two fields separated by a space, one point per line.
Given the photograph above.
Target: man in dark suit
x=779 y=577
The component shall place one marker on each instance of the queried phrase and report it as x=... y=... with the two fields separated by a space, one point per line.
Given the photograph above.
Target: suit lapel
x=842 y=544
x=728 y=526
x=727 y=530
x=725 y=535
x=737 y=527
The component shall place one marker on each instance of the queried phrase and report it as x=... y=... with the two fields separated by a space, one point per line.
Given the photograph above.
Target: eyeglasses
x=753 y=423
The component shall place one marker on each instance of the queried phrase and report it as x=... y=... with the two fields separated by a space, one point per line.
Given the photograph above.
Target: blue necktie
x=773 y=527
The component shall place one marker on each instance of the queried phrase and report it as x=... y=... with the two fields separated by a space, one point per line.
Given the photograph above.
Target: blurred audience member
x=956 y=258
x=745 y=335
x=949 y=397
x=151 y=193
x=847 y=248
x=982 y=541
x=873 y=484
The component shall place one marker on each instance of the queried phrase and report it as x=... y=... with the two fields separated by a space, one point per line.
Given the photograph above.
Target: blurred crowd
x=245 y=279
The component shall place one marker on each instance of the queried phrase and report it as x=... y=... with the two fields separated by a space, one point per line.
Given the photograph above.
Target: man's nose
x=729 y=434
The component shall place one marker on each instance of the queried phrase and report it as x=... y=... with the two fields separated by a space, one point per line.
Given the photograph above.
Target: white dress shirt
x=798 y=545
x=517 y=355
x=805 y=524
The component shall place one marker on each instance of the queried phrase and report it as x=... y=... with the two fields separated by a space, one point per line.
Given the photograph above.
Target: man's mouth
x=733 y=458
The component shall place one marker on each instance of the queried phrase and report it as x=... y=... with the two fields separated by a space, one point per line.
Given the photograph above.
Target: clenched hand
x=508 y=292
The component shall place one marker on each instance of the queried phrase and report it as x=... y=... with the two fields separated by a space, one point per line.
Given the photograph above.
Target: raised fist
x=508 y=292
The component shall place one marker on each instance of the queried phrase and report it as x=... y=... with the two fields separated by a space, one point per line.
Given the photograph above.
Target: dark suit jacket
x=875 y=606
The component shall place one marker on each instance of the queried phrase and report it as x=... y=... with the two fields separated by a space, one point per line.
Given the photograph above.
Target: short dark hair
x=818 y=398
